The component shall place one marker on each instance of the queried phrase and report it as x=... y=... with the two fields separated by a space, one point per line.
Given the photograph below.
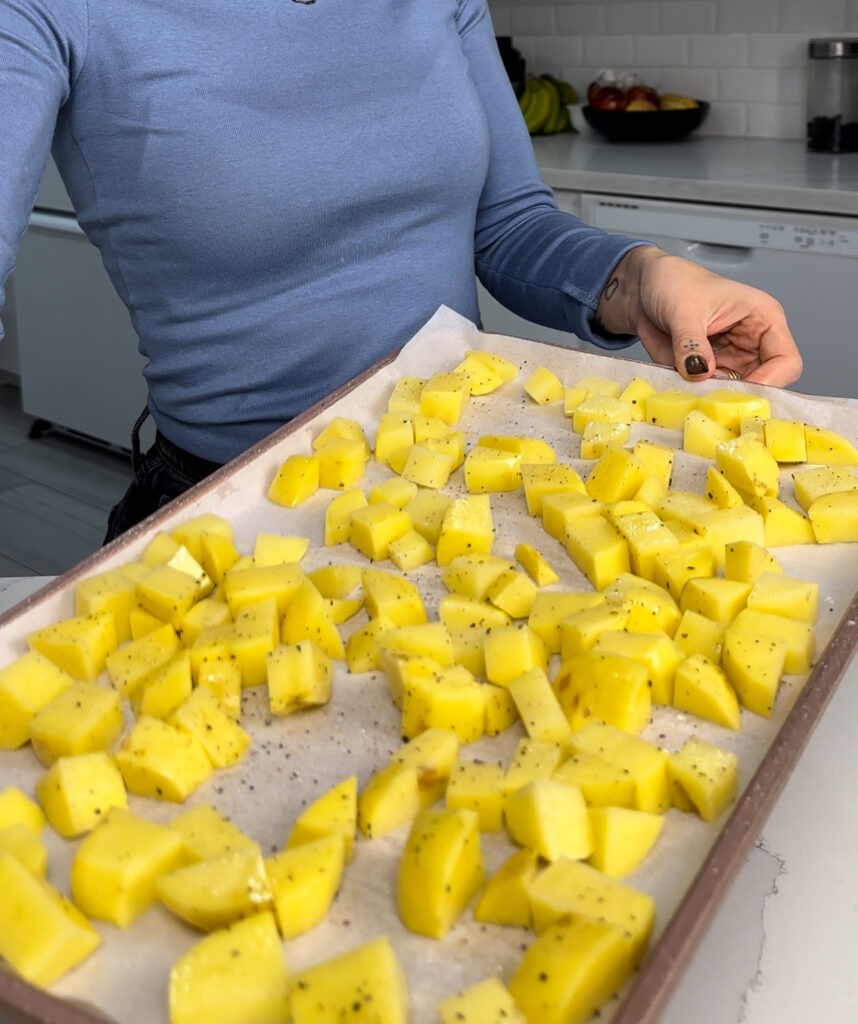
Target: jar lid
x=834 y=46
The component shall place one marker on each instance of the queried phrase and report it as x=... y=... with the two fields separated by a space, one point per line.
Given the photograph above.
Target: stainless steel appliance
x=80 y=370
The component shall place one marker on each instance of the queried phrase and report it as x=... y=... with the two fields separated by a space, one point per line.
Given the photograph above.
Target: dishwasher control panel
x=837 y=241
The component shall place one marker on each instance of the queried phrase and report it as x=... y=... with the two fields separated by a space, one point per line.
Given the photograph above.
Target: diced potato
x=342 y=462
x=817 y=481
x=296 y=480
x=467 y=528
x=234 y=975
x=116 y=865
x=482 y=379
x=410 y=551
x=79 y=645
x=669 y=407
x=783 y=525
x=84 y=717
x=648 y=538
x=16 y=808
x=478 y=786
x=544 y=386
x=483 y=1003
x=785 y=439
x=361 y=983
x=112 y=591
x=504 y=899
x=489 y=470
x=405 y=396
x=610 y=688
x=636 y=393
x=550 y=816
x=715 y=597
x=390 y=596
x=826 y=447
x=616 y=475
x=602 y=783
x=512 y=650
x=451 y=699
x=754 y=666
x=440 y=871
x=673 y=569
x=703 y=778
x=333 y=813
x=702 y=435
x=160 y=760
x=42 y=935
x=645 y=763
x=428 y=466
x=421 y=640
x=304 y=881
x=730 y=406
x=77 y=792
x=650 y=606
x=26 y=847
x=622 y=838
x=221 y=737
x=723 y=526
x=338 y=514
x=799 y=636
x=785 y=595
x=218 y=891
x=165 y=688
x=561 y=511
x=299 y=676
x=534 y=563
x=572 y=889
x=538 y=707
x=391 y=798
x=656 y=459
x=279 y=548
x=189 y=533
x=721 y=491
x=834 y=518
x=749 y=465
x=539 y=479
x=746 y=561
x=434 y=753
x=533 y=759
x=245 y=587
x=373 y=527
x=309 y=619
x=427 y=509
x=598 y=550
x=206 y=833
x=601 y=409
x=659 y=653
x=697 y=634
x=26 y=685
x=445 y=395
x=514 y=593
x=570 y=971
x=133 y=662
x=701 y=688
x=551 y=607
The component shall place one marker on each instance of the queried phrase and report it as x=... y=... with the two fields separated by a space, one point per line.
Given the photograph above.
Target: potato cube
x=467 y=528
x=391 y=798
x=206 y=833
x=338 y=515
x=647 y=538
x=299 y=676
x=754 y=666
x=309 y=617
x=445 y=395
x=540 y=711
x=333 y=813
x=533 y=759
x=478 y=786
x=501 y=711
x=77 y=792
x=570 y=971
x=27 y=848
x=703 y=778
x=622 y=838
x=551 y=607
x=440 y=871
x=427 y=509
x=113 y=591
x=42 y=935
x=539 y=479
x=572 y=889
x=410 y=551
x=785 y=595
x=580 y=631
x=717 y=598
x=233 y=975
x=200 y=715
x=164 y=689
x=720 y=491
x=421 y=640
x=701 y=435
x=551 y=817
x=650 y=606
x=701 y=688
x=535 y=565
x=544 y=386
x=389 y=595
x=746 y=561
x=511 y=650
x=645 y=763
x=486 y=1001
x=749 y=466
x=84 y=717
x=505 y=899
x=730 y=406
x=697 y=634
x=783 y=525
x=296 y=480
x=116 y=865
x=373 y=527
x=673 y=569
x=26 y=685
x=514 y=593
x=491 y=469
x=602 y=784
x=657 y=652
x=304 y=881
x=160 y=760
x=342 y=462
x=362 y=982
x=482 y=379
x=189 y=533
x=834 y=518
x=451 y=699
x=79 y=645
x=669 y=407
x=723 y=526
x=427 y=466
x=616 y=475
x=826 y=447
x=799 y=636
x=134 y=661
x=817 y=481
x=405 y=396
x=16 y=808
x=610 y=688
x=216 y=892
x=598 y=550
x=785 y=439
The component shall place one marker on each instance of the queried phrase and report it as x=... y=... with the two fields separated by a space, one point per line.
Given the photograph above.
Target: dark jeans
x=160 y=474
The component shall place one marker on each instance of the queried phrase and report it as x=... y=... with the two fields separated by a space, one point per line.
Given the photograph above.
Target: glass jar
x=832 y=95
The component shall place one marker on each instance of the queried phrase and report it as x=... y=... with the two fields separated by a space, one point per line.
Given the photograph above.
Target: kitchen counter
x=768 y=173
x=780 y=949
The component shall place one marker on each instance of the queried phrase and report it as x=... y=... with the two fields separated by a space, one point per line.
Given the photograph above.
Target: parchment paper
x=295 y=759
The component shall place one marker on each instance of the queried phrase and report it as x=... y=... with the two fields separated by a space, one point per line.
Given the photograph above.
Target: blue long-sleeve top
x=284 y=191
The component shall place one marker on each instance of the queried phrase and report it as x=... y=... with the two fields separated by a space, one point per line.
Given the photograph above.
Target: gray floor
x=55 y=494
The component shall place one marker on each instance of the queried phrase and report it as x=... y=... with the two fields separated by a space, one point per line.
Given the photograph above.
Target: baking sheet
x=295 y=759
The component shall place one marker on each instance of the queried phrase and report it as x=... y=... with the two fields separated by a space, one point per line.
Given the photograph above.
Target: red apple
x=592 y=89
x=609 y=97
x=643 y=92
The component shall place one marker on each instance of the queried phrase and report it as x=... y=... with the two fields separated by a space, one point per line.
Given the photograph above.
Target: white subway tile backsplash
x=747 y=57
x=608 y=51
x=632 y=19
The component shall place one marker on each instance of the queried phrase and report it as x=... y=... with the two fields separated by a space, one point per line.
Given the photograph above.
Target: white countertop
x=781 y=948
x=767 y=173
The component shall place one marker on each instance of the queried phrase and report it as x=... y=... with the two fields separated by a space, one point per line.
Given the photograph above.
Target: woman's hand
x=703 y=324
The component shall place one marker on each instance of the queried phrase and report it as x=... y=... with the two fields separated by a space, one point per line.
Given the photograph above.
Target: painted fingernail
x=696 y=365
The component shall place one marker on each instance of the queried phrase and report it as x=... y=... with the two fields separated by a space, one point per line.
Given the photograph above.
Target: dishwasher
x=808 y=262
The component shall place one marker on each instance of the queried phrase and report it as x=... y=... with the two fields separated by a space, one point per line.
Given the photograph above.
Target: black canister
x=513 y=62
x=832 y=95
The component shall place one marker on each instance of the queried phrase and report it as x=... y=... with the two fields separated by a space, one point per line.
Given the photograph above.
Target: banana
x=540 y=107
x=552 y=107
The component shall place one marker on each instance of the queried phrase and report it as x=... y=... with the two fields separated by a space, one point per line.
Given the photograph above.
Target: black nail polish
x=696 y=364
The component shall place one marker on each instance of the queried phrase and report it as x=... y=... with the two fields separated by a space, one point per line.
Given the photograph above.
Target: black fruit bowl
x=646 y=125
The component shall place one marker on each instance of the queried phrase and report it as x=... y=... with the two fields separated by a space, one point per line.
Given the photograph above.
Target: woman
x=283 y=192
